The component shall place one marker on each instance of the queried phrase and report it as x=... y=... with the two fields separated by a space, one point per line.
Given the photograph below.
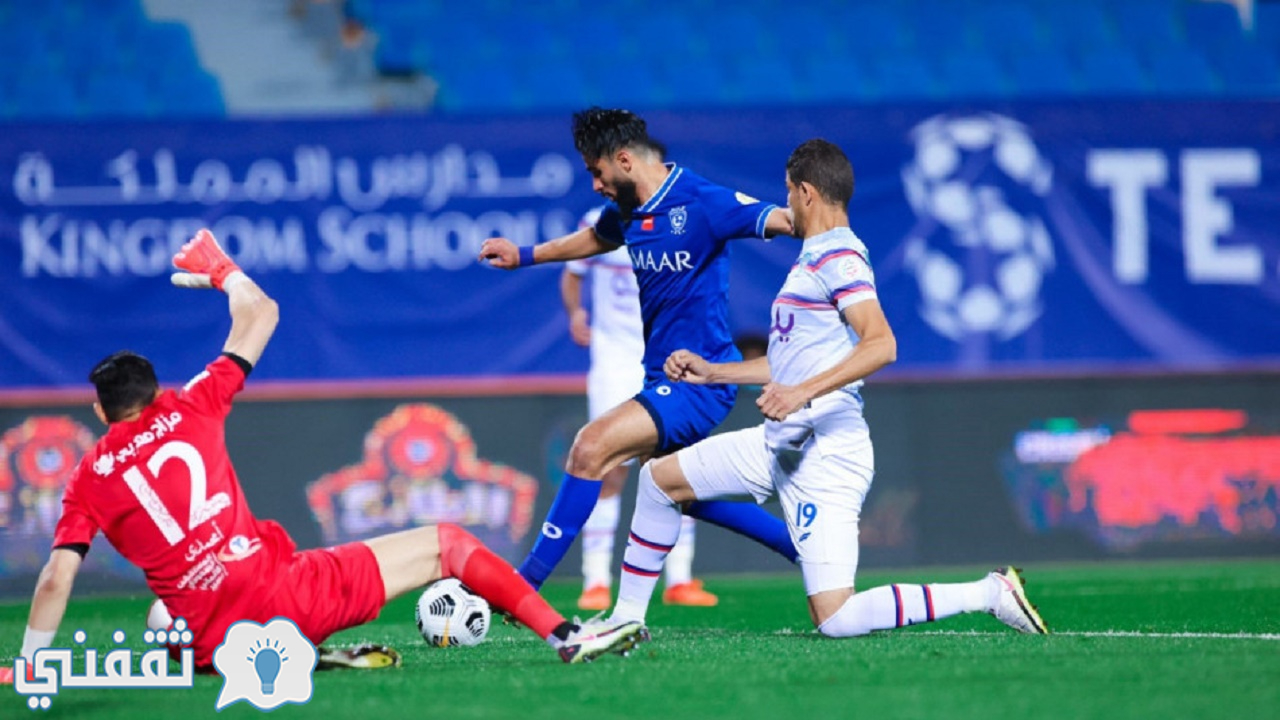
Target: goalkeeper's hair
x=823 y=165
x=126 y=382
x=599 y=132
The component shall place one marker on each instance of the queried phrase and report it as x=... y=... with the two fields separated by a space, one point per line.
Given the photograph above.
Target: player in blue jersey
x=676 y=227
x=814 y=449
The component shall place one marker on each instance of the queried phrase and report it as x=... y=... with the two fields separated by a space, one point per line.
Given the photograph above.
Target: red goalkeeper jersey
x=162 y=490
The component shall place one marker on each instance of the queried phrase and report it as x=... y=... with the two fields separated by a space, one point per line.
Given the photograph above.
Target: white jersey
x=617 y=332
x=809 y=334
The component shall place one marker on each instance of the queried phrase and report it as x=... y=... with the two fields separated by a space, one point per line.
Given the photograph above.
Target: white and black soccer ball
x=449 y=614
x=980 y=249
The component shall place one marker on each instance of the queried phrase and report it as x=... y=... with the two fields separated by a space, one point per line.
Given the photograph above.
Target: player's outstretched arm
x=686 y=366
x=504 y=254
x=254 y=316
x=571 y=297
x=49 y=603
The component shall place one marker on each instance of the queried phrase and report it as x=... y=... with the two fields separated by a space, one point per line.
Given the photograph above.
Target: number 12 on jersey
x=202 y=508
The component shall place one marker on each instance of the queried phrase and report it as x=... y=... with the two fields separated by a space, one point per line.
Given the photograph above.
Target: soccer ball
x=449 y=614
x=980 y=249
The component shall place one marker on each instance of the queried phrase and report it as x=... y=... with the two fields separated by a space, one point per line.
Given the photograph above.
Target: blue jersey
x=678 y=247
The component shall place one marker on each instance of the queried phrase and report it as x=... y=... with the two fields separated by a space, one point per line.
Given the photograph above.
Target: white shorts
x=821 y=487
x=610 y=385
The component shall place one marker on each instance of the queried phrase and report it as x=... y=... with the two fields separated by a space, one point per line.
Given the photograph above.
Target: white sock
x=894 y=606
x=680 y=561
x=597 y=542
x=34 y=640
x=655 y=527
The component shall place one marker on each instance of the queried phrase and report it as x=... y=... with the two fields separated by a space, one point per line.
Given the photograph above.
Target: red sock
x=464 y=557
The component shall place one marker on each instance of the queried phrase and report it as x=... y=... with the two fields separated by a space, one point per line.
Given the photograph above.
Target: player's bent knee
x=851 y=618
x=670 y=479
x=588 y=454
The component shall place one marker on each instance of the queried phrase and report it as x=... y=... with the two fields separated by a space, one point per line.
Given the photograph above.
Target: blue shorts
x=685 y=413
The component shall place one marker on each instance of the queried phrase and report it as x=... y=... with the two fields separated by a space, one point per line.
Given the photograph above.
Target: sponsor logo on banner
x=980 y=248
x=420 y=467
x=1156 y=476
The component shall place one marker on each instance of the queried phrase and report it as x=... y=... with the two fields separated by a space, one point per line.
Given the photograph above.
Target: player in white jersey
x=814 y=449
x=614 y=332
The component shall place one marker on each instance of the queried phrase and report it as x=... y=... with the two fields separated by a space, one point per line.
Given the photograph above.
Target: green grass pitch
x=1161 y=640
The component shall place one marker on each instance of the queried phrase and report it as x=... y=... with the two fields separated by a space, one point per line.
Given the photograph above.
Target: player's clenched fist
x=500 y=253
x=776 y=401
x=685 y=366
x=205 y=263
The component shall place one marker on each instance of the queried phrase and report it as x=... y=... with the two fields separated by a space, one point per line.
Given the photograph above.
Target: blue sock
x=746 y=519
x=569 y=512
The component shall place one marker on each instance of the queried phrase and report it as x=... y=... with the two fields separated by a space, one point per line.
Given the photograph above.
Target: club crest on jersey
x=679 y=217
x=104 y=464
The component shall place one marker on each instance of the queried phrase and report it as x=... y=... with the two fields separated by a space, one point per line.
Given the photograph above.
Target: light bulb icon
x=266 y=663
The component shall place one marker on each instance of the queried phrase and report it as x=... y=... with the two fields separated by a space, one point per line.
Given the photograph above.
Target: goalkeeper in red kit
x=161 y=488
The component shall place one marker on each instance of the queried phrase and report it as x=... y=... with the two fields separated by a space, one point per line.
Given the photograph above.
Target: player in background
x=814 y=449
x=675 y=226
x=614 y=333
x=160 y=486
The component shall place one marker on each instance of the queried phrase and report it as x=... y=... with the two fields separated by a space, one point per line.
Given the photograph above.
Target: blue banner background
x=366 y=231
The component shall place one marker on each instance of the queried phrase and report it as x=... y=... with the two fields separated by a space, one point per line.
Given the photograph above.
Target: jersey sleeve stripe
x=763 y=219
x=860 y=286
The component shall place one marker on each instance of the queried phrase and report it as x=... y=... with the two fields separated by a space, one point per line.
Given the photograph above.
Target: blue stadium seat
x=870 y=29
x=1248 y=69
x=629 y=85
x=87 y=48
x=972 y=74
x=766 y=79
x=1180 y=70
x=1044 y=72
x=835 y=77
x=1078 y=25
x=1006 y=27
x=944 y=28
x=395 y=52
x=1212 y=25
x=1266 y=26
x=696 y=84
x=558 y=85
x=22 y=44
x=1147 y=23
x=487 y=87
x=905 y=77
x=112 y=95
x=169 y=51
x=194 y=95
x=1112 y=71
x=44 y=96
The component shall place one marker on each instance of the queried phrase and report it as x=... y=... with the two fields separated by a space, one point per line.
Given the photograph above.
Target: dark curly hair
x=600 y=132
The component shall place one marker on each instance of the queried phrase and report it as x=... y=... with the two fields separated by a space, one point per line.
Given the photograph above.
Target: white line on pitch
x=1125 y=634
